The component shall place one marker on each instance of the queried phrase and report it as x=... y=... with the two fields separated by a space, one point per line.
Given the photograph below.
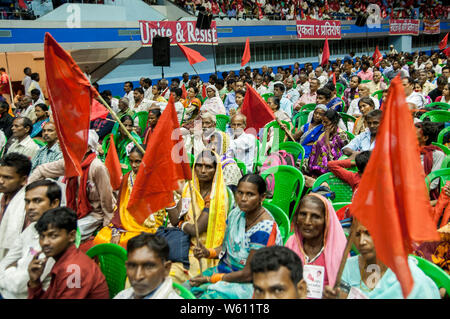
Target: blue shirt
x=361 y=143
x=286 y=106
x=230 y=102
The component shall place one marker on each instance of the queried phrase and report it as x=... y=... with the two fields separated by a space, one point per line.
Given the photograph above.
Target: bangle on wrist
x=217 y=277
x=183 y=225
x=171 y=206
x=212 y=253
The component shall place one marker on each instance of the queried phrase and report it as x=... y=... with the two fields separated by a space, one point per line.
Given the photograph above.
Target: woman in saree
x=365 y=105
x=123 y=225
x=358 y=275
x=154 y=113
x=156 y=91
x=318 y=237
x=191 y=106
x=328 y=146
x=123 y=143
x=249 y=227
x=213 y=104
x=211 y=204
x=41 y=111
x=310 y=132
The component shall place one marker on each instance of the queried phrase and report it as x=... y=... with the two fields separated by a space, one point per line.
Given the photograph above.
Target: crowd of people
x=318 y=10
x=225 y=242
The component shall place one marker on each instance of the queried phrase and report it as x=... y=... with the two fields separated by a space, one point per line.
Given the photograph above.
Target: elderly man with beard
x=242 y=145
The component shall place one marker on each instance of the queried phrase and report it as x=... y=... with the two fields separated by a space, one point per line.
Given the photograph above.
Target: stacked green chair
x=347 y=118
x=443 y=174
x=442 y=105
x=342 y=190
x=441 y=135
x=300 y=119
x=444 y=148
x=143 y=118
x=281 y=219
x=378 y=94
x=183 y=291
x=222 y=121
x=296 y=149
x=437 y=274
x=339 y=205
x=111 y=258
x=289 y=184
x=436 y=116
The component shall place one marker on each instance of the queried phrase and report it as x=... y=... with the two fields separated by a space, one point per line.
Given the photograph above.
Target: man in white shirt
x=40 y=196
x=413 y=98
x=147 y=87
x=14 y=171
x=303 y=84
x=36 y=97
x=165 y=89
x=184 y=80
x=242 y=145
x=323 y=79
x=23 y=144
x=129 y=93
x=363 y=91
x=28 y=108
x=26 y=82
x=35 y=85
x=291 y=94
x=285 y=104
x=258 y=86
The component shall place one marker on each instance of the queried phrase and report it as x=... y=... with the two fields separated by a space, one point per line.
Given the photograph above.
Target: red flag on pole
x=98 y=111
x=256 y=110
x=112 y=163
x=447 y=52
x=377 y=57
x=204 y=95
x=70 y=95
x=396 y=212
x=334 y=78
x=246 y=55
x=443 y=42
x=192 y=55
x=161 y=168
x=184 y=94
x=23 y=5
x=325 y=53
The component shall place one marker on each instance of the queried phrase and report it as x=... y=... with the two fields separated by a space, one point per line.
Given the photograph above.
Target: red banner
x=404 y=26
x=318 y=29
x=183 y=32
x=431 y=26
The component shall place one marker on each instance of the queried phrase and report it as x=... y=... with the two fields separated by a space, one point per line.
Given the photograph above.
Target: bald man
x=364 y=91
x=242 y=145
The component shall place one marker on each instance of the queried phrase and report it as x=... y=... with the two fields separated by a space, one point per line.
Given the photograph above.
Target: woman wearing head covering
x=318 y=237
x=213 y=104
x=211 y=204
x=365 y=105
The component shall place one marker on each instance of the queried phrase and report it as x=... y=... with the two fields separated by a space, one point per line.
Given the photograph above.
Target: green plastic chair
x=143 y=118
x=241 y=166
x=191 y=159
x=78 y=238
x=111 y=258
x=308 y=107
x=436 y=116
x=257 y=159
x=365 y=81
x=350 y=135
x=281 y=135
x=340 y=88
x=39 y=142
x=347 y=118
x=444 y=148
x=230 y=199
x=442 y=105
x=222 y=121
x=281 y=219
x=183 y=291
x=266 y=96
x=446 y=162
x=300 y=119
x=342 y=190
x=378 y=94
x=339 y=205
x=437 y=274
x=441 y=135
x=296 y=149
x=443 y=174
x=289 y=184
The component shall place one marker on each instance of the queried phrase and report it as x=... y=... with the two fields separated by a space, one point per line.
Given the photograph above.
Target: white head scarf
x=93 y=140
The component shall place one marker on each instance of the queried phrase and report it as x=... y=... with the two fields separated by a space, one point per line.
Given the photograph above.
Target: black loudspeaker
x=203 y=20
x=362 y=19
x=161 y=51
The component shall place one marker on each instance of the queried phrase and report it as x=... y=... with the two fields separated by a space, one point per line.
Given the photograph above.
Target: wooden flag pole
x=9 y=81
x=348 y=247
x=286 y=130
x=195 y=222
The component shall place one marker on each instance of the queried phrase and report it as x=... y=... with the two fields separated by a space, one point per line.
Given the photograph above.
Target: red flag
x=334 y=78
x=70 y=95
x=256 y=110
x=98 y=111
x=447 y=52
x=325 y=53
x=184 y=94
x=161 y=168
x=246 y=55
x=443 y=42
x=204 y=95
x=23 y=5
x=396 y=212
x=377 y=57
x=192 y=55
x=112 y=163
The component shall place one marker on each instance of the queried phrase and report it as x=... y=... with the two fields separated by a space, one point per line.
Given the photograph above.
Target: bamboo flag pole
x=350 y=240
x=9 y=81
x=286 y=130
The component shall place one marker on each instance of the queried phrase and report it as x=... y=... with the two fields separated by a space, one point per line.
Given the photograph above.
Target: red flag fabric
x=246 y=55
x=70 y=95
x=443 y=43
x=112 y=163
x=161 y=168
x=325 y=53
x=396 y=212
x=204 y=95
x=23 y=5
x=184 y=94
x=192 y=55
x=256 y=110
x=377 y=57
x=334 y=78
x=98 y=111
x=447 y=52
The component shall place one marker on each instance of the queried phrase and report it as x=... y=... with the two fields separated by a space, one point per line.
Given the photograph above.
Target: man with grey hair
x=323 y=79
x=23 y=143
x=242 y=145
x=363 y=91
x=201 y=134
x=165 y=89
x=302 y=84
x=278 y=78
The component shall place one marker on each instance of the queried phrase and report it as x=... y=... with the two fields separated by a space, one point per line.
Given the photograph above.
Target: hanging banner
x=183 y=32
x=431 y=26
x=318 y=29
x=404 y=27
